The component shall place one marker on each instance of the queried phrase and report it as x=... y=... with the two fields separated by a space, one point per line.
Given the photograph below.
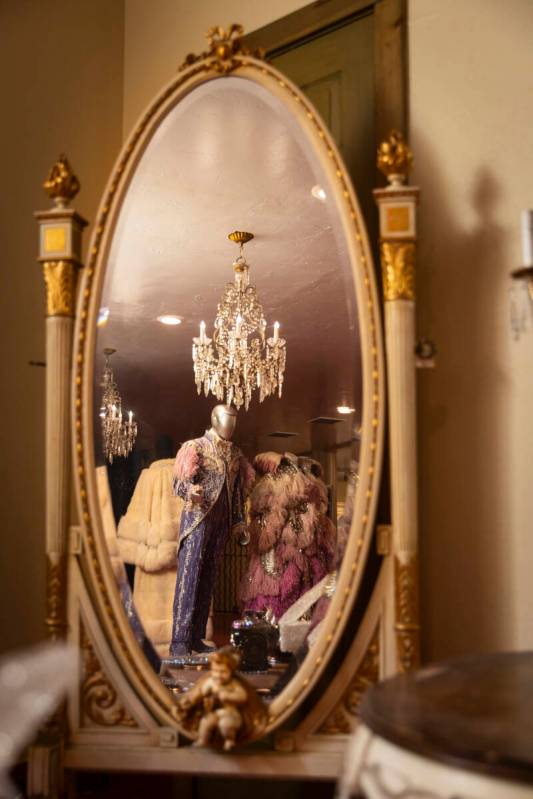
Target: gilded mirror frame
x=225 y=57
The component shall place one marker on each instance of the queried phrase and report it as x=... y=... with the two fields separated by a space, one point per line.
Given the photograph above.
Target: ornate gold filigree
x=224 y=48
x=407 y=626
x=222 y=709
x=100 y=702
x=61 y=185
x=398 y=269
x=341 y=721
x=55 y=596
x=394 y=158
x=60 y=278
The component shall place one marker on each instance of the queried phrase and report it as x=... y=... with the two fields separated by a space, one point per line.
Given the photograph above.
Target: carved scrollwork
x=100 y=702
x=60 y=278
x=341 y=721
x=407 y=626
x=224 y=48
x=398 y=269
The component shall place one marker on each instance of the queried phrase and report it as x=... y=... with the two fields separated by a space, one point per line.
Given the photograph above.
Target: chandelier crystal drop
x=239 y=358
x=118 y=435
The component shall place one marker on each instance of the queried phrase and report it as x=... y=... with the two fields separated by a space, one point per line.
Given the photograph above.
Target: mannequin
x=212 y=476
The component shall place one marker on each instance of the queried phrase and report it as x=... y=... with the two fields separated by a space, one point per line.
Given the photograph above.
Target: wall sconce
x=521 y=291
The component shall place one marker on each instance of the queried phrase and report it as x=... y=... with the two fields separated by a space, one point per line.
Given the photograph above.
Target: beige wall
x=160 y=33
x=61 y=88
x=471 y=101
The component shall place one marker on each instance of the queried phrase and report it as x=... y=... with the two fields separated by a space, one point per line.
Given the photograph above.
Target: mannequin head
x=223 y=421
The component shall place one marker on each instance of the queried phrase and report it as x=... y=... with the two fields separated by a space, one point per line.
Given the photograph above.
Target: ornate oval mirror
x=229 y=268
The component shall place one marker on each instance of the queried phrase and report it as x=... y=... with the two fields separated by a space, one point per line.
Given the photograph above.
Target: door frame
x=390 y=48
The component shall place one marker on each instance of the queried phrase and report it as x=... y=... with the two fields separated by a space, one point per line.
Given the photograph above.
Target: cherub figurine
x=222 y=707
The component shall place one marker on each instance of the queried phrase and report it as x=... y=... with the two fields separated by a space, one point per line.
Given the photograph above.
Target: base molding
x=312 y=765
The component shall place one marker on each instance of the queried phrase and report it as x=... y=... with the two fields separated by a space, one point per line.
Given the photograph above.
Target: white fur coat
x=148 y=532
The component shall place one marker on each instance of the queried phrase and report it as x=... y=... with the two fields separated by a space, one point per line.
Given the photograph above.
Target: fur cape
x=148 y=532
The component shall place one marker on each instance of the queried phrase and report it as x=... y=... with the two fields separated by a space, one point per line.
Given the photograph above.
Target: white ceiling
x=230 y=156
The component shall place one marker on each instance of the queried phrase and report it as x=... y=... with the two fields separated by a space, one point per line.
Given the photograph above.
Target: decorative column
x=397 y=218
x=60 y=234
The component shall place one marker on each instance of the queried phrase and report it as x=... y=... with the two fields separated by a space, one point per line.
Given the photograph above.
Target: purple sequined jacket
x=216 y=465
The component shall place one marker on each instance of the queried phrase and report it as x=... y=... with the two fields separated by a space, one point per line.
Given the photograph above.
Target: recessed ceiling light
x=319 y=193
x=170 y=319
x=103 y=316
x=345 y=409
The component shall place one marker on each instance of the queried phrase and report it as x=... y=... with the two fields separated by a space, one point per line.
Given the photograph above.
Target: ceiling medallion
x=118 y=437
x=239 y=358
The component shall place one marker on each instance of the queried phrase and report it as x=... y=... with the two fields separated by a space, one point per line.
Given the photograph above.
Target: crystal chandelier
x=239 y=358
x=118 y=436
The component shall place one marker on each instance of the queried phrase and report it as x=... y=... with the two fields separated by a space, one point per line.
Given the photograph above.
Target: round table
x=458 y=729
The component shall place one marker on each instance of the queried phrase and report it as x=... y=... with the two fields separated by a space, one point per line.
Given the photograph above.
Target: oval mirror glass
x=236 y=388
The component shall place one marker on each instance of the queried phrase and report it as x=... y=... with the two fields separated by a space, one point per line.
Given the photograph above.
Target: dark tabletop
x=474 y=712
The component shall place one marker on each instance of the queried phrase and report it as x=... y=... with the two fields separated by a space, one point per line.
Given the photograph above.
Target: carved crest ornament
x=224 y=46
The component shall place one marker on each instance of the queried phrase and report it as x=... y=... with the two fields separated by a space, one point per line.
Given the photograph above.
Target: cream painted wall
x=159 y=35
x=61 y=67
x=471 y=110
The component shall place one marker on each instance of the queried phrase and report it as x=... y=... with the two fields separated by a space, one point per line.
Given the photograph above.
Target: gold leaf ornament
x=224 y=49
x=60 y=279
x=398 y=269
x=61 y=185
x=395 y=158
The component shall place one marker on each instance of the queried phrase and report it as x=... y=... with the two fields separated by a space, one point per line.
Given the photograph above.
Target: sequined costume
x=292 y=539
x=219 y=467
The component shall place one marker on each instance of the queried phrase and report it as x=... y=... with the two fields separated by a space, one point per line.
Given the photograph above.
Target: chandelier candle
x=238 y=359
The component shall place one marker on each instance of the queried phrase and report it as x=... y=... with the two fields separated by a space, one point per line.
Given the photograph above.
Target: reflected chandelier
x=239 y=358
x=118 y=436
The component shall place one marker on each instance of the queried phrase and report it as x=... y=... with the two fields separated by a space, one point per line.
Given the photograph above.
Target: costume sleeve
x=186 y=467
x=241 y=488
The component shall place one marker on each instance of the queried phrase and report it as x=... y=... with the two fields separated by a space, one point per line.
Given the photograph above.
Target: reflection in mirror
x=228 y=518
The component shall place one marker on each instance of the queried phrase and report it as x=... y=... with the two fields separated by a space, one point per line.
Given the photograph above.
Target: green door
x=336 y=71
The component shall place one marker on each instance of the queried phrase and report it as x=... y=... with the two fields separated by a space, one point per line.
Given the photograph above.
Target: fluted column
x=60 y=233
x=397 y=213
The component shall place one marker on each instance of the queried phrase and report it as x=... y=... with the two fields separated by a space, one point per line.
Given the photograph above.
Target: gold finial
x=240 y=236
x=395 y=158
x=61 y=185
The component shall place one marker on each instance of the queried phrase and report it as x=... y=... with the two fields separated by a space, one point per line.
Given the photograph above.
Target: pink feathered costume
x=292 y=539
